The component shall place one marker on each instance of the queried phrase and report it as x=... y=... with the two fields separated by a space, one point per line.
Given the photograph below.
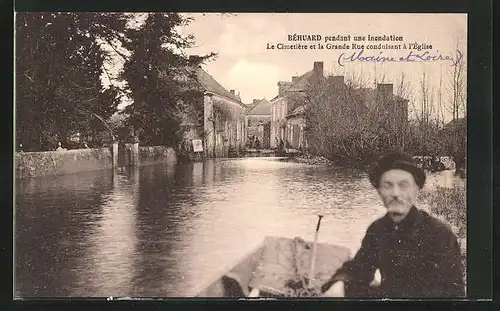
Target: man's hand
x=336 y=290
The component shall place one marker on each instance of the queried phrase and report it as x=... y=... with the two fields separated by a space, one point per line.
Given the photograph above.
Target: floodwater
x=169 y=230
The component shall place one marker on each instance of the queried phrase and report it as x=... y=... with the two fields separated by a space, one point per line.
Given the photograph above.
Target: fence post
x=114 y=153
x=135 y=154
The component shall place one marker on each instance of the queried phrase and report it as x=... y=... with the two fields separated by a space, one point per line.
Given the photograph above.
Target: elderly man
x=416 y=254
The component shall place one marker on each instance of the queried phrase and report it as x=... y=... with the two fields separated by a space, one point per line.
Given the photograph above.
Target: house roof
x=262 y=107
x=299 y=85
x=251 y=106
x=209 y=84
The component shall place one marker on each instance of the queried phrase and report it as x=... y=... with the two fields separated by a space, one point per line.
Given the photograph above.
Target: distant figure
x=86 y=146
x=20 y=150
x=250 y=142
x=60 y=148
x=417 y=254
x=281 y=145
x=257 y=143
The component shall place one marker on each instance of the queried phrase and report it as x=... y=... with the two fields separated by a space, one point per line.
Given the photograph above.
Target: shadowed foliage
x=59 y=62
x=159 y=79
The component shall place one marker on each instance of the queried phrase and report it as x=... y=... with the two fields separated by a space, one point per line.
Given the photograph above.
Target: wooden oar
x=312 y=271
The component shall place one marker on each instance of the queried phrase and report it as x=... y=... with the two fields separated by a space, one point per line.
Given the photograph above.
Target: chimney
x=283 y=86
x=232 y=92
x=384 y=93
x=255 y=101
x=318 y=68
x=295 y=79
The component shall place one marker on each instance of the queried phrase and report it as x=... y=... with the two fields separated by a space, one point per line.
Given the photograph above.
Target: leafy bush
x=451 y=204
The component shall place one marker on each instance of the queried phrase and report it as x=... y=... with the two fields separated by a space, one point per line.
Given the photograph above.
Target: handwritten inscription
x=411 y=56
x=368 y=48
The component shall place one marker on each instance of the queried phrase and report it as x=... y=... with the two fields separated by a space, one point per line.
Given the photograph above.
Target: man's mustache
x=396 y=214
x=396 y=201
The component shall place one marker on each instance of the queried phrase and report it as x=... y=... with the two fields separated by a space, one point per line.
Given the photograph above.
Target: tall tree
x=340 y=125
x=59 y=62
x=159 y=76
x=457 y=129
x=402 y=132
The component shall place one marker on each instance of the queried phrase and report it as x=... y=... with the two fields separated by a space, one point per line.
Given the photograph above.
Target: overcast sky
x=244 y=63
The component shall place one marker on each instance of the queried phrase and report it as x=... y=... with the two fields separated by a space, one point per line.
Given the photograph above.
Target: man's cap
x=396 y=160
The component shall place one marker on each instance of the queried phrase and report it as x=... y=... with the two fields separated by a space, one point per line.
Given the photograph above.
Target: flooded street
x=169 y=230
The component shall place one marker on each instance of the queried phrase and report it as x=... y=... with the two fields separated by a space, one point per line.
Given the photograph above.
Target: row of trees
x=60 y=61
x=58 y=69
x=350 y=124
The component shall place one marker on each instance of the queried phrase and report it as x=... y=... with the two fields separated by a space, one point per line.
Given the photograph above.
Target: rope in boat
x=298 y=286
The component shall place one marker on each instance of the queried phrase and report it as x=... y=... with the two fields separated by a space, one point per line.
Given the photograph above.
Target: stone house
x=209 y=112
x=223 y=117
x=258 y=121
x=288 y=122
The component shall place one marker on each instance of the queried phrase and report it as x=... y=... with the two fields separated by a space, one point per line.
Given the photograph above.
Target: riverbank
x=320 y=160
x=450 y=205
x=443 y=164
x=311 y=160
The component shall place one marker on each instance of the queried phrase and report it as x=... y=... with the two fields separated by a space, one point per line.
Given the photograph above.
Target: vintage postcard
x=240 y=155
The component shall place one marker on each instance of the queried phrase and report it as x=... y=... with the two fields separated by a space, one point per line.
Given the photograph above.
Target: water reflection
x=168 y=230
x=53 y=217
x=110 y=249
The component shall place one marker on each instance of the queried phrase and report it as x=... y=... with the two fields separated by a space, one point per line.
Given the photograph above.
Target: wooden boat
x=272 y=267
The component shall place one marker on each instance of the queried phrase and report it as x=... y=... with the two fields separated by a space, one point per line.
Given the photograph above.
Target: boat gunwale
x=260 y=246
x=230 y=268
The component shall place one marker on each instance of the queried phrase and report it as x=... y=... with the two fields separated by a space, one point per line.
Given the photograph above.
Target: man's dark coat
x=419 y=257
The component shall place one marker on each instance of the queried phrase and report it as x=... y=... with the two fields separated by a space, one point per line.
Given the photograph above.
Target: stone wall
x=36 y=164
x=156 y=155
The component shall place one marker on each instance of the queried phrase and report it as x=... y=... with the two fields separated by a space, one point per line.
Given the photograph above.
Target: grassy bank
x=450 y=205
x=320 y=160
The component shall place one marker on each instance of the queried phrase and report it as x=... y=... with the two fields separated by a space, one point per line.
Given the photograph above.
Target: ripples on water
x=169 y=230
